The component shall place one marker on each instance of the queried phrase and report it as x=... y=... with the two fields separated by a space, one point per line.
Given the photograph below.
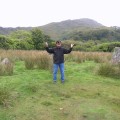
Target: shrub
x=38 y=59
x=43 y=61
x=107 y=47
x=29 y=63
x=29 y=59
x=78 y=57
x=98 y=57
x=109 y=70
x=6 y=69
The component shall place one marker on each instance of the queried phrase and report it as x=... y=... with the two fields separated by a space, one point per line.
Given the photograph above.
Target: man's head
x=58 y=44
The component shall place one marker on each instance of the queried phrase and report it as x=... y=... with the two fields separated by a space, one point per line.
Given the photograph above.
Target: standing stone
x=116 y=56
x=5 y=61
x=6 y=67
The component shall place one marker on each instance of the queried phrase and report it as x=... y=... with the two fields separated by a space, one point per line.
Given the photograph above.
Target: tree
x=39 y=38
x=22 y=40
x=5 y=43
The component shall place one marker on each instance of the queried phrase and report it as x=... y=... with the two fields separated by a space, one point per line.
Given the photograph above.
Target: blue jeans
x=55 y=70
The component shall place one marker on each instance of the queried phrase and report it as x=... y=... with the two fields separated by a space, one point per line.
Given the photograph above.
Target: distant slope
x=57 y=30
x=8 y=30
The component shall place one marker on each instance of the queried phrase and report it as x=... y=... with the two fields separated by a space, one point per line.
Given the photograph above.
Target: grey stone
x=5 y=61
x=116 y=56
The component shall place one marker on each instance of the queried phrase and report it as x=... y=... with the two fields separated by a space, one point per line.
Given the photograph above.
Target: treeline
x=24 y=40
x=106 y=34
x=92 y=45
x=93 y=40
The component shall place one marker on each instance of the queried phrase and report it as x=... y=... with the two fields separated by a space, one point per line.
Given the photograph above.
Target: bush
x=43 y=61
x=40 y=60
x=29 y=63
x=109 y=70
x=6 y=69
x=106 y=47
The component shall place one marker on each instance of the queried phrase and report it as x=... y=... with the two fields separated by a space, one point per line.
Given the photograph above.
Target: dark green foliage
x=92 y=35
x=22 y=40
x=107 y=47
x=39 y=38
x=96 y=34
x=92 y=45
x=5 y=42
x=23 y=45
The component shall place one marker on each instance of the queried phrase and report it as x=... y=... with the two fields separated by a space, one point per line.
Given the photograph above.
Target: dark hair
x=58 y=41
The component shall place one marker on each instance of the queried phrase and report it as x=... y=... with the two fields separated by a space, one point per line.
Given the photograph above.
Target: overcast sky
x=26 y=13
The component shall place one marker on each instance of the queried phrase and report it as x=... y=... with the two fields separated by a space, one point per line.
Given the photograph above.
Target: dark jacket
x=58 y=54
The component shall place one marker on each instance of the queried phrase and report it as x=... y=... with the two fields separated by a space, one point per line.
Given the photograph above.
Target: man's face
x=58 y=44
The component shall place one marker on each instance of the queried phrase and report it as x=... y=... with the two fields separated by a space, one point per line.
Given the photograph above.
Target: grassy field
x=85 y=95
x=27 y=91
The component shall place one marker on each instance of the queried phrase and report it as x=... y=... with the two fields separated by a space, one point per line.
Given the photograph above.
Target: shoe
x=62 y=81
x=54 y=82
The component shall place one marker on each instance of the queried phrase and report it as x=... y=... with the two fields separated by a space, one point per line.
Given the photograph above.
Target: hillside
x=73 y=24
x=57 y=30
x=8 y=30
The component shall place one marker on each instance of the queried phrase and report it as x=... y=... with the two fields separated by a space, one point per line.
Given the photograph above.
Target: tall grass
x=73 y=56
x=6 y=69
x=29 y=61
x=33 y=58
x=76 y=57
x=12 y=55
x=36 y=59
x=98 y=57
x=109 y=70
x=42 y=60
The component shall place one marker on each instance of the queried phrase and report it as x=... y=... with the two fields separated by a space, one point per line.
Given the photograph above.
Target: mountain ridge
x=57 y=30
x=77 y=21
x=60 y=29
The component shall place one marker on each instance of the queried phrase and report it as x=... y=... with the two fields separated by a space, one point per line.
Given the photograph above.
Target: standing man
x=58 y=59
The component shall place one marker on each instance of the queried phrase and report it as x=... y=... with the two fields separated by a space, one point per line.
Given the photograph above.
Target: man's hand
x=46 y=44
x=72 y=45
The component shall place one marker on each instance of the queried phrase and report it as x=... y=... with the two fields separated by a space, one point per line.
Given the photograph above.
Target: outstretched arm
x=66 y=51
x=72 y=45
x=49 y=50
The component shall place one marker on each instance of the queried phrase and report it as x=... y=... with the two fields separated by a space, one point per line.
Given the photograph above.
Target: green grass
x=84 y=96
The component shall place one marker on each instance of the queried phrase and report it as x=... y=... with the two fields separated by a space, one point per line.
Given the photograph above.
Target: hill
x=58 y=30
x=8 y=30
